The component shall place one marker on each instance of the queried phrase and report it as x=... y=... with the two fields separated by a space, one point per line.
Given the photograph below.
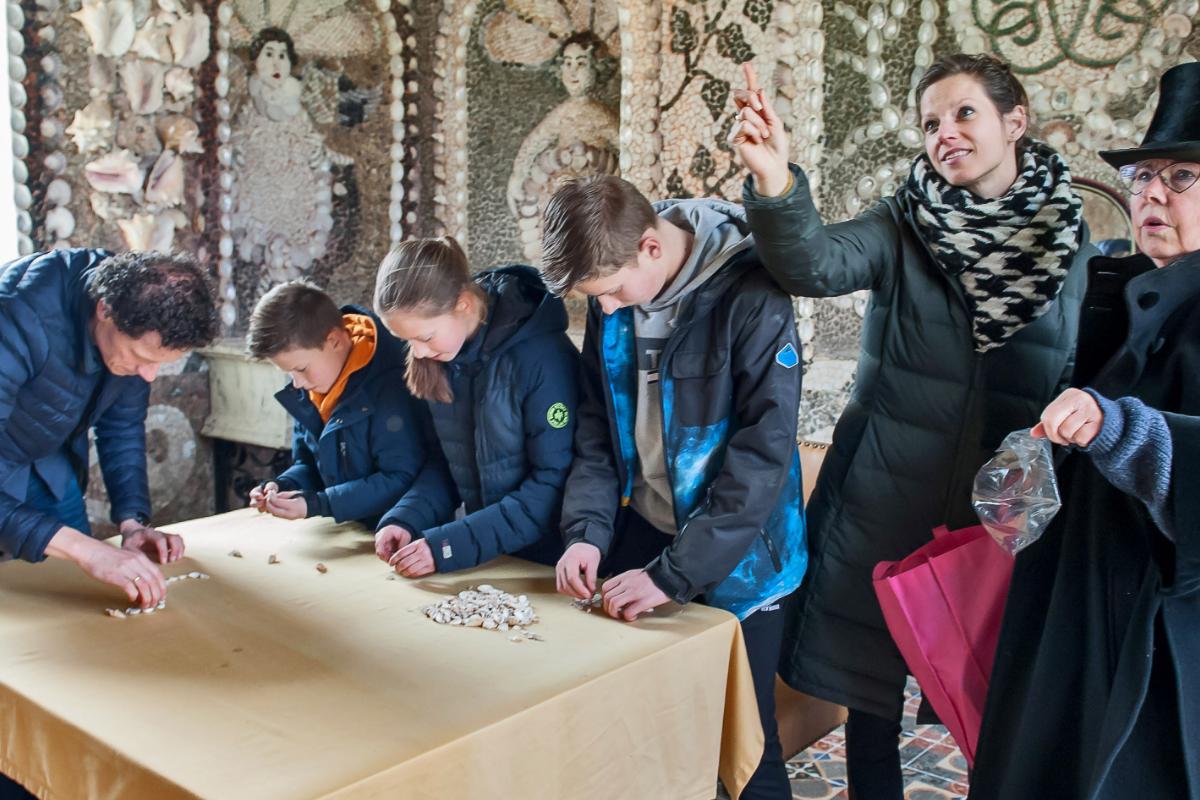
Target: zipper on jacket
x=775 y=561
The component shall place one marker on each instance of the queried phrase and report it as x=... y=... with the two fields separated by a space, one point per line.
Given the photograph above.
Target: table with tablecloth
x=282 y=681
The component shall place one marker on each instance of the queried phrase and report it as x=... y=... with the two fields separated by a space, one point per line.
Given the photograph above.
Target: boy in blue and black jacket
x=686 y=483
x=360 y=439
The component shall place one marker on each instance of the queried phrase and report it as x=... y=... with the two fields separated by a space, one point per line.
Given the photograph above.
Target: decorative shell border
x=397 y=19
x=18 y=97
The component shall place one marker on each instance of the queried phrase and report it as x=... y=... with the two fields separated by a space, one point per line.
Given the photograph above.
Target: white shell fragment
x=135 y=611
x=189 y=38
x=588 y=605
x=110 y=25
x=92 y=127
x=115 y=173
x=486 y=607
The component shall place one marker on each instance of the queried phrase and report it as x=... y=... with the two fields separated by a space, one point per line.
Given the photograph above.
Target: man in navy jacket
x=82 y=334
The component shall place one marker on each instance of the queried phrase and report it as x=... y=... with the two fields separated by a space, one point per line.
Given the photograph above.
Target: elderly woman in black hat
x=1095 y=692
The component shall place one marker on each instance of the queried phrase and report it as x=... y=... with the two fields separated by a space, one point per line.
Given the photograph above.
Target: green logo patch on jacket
x=557 y=415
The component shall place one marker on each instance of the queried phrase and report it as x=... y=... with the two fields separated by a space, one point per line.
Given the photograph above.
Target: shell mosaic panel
x=461 y=116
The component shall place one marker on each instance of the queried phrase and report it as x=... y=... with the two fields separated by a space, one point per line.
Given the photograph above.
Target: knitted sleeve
x=1133 y=452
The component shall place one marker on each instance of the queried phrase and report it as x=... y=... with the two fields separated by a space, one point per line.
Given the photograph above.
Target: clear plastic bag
x=1016 y=493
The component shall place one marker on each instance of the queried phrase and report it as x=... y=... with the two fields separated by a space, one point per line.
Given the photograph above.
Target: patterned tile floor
x=934 y=769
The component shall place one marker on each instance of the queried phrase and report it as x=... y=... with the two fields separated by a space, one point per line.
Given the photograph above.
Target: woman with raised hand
x=976 y=270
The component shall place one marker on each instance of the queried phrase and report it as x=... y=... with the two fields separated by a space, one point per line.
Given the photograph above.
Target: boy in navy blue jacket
x=360 y=438
x=686 y=482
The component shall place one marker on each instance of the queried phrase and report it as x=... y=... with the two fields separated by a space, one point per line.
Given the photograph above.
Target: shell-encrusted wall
x=112 y=146
x=396 y=118
x=316 y=122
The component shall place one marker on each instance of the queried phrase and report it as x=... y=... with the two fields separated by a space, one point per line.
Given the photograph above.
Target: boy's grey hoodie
x=719 y=232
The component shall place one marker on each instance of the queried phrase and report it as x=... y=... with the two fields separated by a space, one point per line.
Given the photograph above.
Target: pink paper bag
x=943 y=605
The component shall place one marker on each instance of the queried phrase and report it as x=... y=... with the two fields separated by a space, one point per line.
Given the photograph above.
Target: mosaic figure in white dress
x=283 y=210
x=578 y=137
x=286 y=177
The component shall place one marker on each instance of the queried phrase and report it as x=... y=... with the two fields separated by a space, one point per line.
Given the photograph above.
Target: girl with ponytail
x=490 y=356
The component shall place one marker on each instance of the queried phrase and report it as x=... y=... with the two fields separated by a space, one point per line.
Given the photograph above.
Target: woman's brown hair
x=998 y=81
x=425 y=277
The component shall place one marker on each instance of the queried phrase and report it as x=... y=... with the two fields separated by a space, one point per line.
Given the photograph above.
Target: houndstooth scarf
x=1010 y=253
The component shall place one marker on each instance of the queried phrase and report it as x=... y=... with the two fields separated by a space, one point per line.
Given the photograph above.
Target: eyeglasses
x=1177 y=177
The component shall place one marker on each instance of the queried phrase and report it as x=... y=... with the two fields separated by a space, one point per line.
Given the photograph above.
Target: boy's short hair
x=293 y=315
x=591 y=228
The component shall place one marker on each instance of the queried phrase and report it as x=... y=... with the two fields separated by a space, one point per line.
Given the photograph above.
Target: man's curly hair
x=154 y=292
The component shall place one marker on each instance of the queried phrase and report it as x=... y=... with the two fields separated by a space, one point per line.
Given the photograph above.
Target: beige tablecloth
x=277 y=681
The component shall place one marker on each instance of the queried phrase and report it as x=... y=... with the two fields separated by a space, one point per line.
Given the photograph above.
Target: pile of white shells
x=134 y=611
x=485 y=607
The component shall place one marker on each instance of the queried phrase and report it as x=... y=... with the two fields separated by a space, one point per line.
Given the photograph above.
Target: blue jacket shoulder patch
x=787 y=356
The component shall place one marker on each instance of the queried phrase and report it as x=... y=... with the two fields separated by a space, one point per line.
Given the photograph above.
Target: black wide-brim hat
x=1175 y=130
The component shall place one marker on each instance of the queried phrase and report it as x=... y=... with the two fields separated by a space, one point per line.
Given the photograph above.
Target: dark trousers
x=637 y=543
x=873 y=757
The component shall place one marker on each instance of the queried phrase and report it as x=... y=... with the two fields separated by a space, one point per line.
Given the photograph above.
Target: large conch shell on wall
x=180 y=134
x=143 y=85
x=109 y=24
x=151 y=41
x=189 y=39
x=165 y=185
x=92 y=128
x=149 y=232
x=180 y=83
x=117 y=173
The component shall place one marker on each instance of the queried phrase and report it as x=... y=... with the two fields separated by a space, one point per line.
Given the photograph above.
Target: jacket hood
x=720 y=232
x=519 y=308
x=388 y=349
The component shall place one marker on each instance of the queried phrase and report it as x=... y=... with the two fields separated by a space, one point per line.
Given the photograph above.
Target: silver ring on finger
x=136 y=578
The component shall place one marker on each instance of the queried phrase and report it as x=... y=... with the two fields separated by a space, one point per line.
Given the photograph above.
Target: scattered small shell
x=272 y=559
x=516 y=637
x=235 y=553
x=321 y=568
x=588 y=605
x=115 y=612
x=133 y=612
